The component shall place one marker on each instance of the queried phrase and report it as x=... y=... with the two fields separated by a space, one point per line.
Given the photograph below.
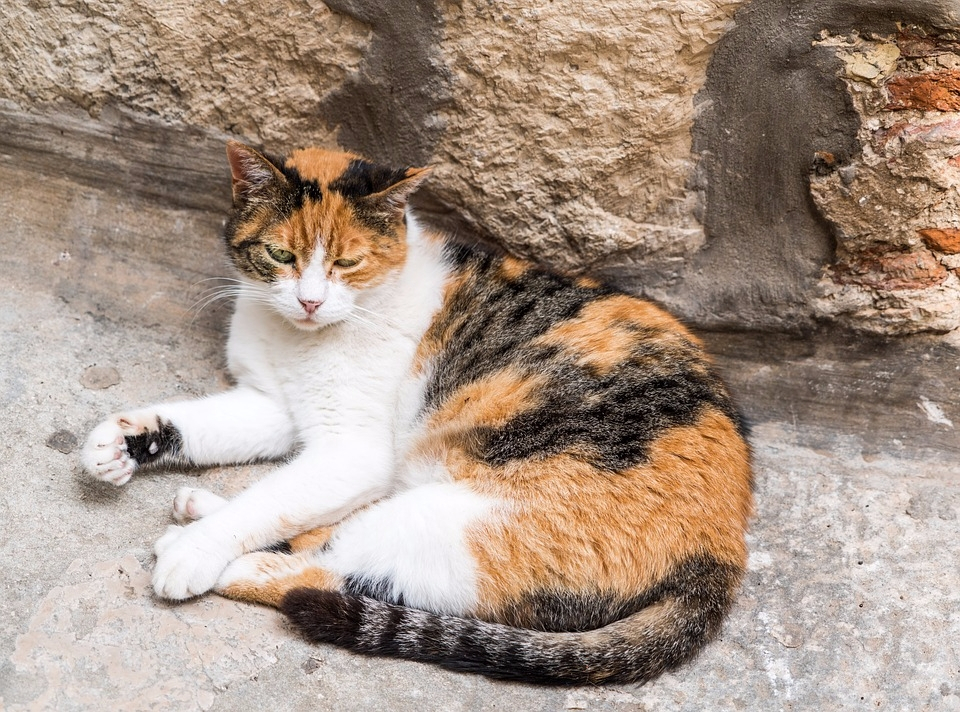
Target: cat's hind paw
x=105 y=454
x=189 y=562
x=191 y=504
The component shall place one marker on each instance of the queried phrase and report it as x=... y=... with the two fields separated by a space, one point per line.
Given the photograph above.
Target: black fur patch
x=505 y=316
x=281 y=547
x=300 y=189
x=363 y=178
x=380 y=589
x=324 y=616
x=165 y=442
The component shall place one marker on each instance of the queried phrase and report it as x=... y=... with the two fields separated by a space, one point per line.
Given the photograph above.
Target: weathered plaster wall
x=667 y=144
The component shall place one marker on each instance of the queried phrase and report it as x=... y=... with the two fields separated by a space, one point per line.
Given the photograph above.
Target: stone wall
x=711 y=154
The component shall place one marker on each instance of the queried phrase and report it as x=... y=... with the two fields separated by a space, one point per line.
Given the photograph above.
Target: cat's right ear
x=251 y=173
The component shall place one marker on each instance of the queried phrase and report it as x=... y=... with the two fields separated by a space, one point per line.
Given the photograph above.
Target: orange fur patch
x=573 y=528
x=511 y=268
x=311 y=540
x=603 y=334
x=320 y=165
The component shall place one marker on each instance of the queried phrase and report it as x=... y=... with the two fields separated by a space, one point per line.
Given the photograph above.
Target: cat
x=487 y=464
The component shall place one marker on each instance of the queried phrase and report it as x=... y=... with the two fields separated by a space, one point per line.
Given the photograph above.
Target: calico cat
x=492 y=466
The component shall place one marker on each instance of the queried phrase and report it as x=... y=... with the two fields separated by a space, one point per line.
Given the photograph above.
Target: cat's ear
x=251 y=173
x=392 y=201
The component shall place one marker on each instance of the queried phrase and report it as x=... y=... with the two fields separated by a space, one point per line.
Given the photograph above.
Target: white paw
x=191 y=504
x=259 y=568
x=248 y=569
x=189 y=562
x=105 y=453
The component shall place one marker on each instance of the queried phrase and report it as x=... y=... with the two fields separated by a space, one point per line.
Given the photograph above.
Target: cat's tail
x=637 y=648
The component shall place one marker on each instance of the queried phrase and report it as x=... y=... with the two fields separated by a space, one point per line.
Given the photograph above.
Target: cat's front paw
x=189 y=562
x=105 y=454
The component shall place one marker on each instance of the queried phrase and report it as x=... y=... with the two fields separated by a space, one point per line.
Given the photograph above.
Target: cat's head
x=317 y=228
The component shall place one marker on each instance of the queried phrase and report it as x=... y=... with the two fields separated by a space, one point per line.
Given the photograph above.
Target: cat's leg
x=410 y=547
x=239 y=425
x=325 y=483
x=266 y=577
x=413 y=547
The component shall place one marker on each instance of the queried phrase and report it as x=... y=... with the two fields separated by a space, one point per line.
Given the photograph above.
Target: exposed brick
x=890 y=271
x=940 y=132
x=945 y=240
x=930 y=91
x=913 y=44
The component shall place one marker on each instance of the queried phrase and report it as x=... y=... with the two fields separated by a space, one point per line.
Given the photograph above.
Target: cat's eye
x=347 y=262
x=284 y=257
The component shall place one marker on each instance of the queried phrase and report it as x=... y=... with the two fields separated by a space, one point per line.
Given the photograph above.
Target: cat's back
x=535 y=363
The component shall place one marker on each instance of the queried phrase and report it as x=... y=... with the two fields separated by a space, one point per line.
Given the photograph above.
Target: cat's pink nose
x=310 y=307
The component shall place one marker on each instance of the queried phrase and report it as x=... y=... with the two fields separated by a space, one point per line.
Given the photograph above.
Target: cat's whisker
x=223 y=279
x=357 y=319
x=385 y=319
x=209 y=296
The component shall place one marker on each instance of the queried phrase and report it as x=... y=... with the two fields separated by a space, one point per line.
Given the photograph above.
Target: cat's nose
x=310 y=306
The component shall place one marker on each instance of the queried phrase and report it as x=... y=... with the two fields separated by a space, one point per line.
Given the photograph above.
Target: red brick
x=891 y=271
x=945 y=240
x=940 y=132
x=913 y=45
x=930 y=91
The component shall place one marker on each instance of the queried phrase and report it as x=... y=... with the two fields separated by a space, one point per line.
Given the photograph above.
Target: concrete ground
x=852 y=599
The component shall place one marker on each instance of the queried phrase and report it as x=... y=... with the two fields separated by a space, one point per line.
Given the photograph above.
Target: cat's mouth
x=307 y=323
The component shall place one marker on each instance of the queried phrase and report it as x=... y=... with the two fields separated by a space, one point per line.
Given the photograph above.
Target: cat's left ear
x=252 y=174
x=391 y=202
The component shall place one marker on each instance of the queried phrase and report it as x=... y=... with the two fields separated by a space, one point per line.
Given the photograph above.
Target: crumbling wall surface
x=895 y=206
x=778 y=96
x=667 y=144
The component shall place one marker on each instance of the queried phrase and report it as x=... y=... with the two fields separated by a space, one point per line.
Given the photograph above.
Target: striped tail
x=634 y=649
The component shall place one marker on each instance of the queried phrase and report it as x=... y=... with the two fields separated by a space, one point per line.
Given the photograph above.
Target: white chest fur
x=353 y=374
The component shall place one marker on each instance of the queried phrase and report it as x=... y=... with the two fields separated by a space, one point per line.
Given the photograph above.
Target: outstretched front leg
x=236 y=426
